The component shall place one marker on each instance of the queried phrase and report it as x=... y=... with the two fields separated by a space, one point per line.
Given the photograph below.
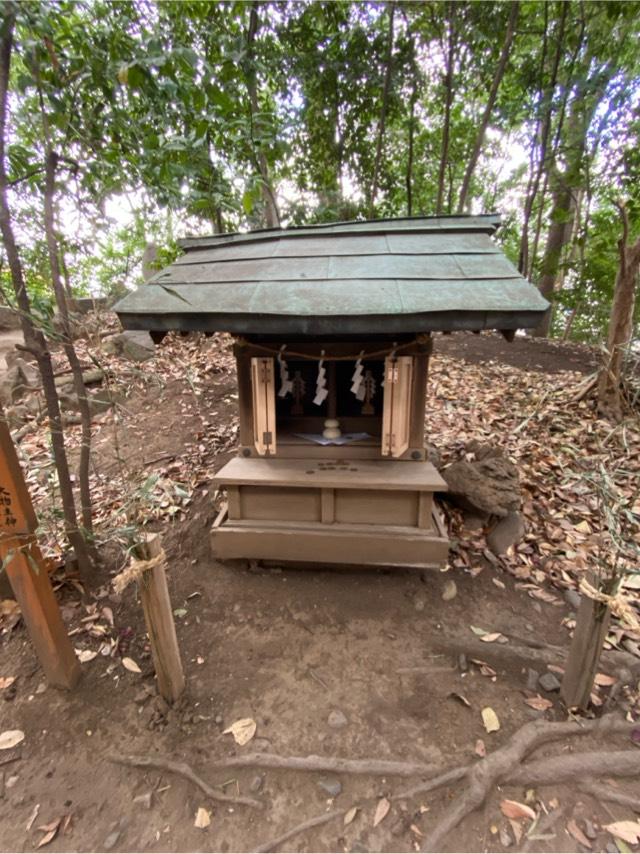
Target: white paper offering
x=321 y=396
x=345 y=439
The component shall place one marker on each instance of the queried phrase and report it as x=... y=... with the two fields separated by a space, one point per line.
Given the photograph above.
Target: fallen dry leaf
x=516 y=810
x=539 y=703
x=6 y=682
x=382 y=809
x=517 y=830
x=490 y=719
x=350 y=815
x=628 y=831
x=50 y=832
x=85 y=655
x=33 y=816
x=492 y=637
x=480 y=750
x=203 y=818
x=242 y=730
x=450 y=590
x=130 y=664
x=460 y=698
x=10 y=738
x=604 y=681
x=577 y=834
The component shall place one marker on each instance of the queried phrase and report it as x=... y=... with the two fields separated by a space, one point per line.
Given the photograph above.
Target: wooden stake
x=158 y=616
x=27 y=572
x=592 y=625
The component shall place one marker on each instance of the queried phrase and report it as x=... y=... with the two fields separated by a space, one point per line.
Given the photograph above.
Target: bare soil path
x=289 y=648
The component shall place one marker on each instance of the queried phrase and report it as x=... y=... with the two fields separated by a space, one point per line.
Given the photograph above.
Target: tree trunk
x=412 y=124
x=491 y=100
x=271 y=213
x=448 y=100
x=620 y=324
x=34 y=339
x=544 y=128
x=383 y=113
x=69 y=349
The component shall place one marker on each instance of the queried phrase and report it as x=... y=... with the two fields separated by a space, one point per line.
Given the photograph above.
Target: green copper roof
x=399 y=275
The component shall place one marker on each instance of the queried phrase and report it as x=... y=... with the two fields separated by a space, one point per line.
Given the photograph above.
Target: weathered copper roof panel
x=386 y=276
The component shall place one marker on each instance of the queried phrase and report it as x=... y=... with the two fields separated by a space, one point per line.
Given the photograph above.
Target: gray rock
x=9 y=318
x=532 y=679
x=331 y=785
x=433 y=455
x=572 y=598
x=18 y=381
x=506 y=533
x=337 y=719
x=419 y=603
x=505 y=838
x=489 y=485
x=135 y=345
x=549 y=682
x=256 y=784
x=144 y=800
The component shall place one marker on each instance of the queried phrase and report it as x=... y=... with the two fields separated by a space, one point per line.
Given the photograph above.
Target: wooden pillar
x=245 y=394
x=158 y=615
x=27 y=572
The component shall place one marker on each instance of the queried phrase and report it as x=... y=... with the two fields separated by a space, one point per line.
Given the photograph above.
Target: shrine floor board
x=349 y=512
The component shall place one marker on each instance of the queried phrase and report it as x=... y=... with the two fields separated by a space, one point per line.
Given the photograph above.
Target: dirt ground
x=286 y=647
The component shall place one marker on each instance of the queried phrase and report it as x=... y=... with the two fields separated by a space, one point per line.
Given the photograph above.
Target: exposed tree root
x=382 y=767
x=506 y=763
x=559 y=769
x=531 y=652
x=186 y=771
x=608 y=793
x=300 y=828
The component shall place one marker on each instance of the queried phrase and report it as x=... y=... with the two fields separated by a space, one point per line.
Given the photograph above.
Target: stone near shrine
x=333 y=323
x=490 y=485
x=9 y=318
x=18 y=381
x=507 y=531
x=549 y=682
x=19 y=355
x=331 y=785
x=337 y=719
x=136 y=345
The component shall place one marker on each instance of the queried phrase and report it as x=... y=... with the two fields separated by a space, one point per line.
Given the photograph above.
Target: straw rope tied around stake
x=618 y=604
x=148 y=570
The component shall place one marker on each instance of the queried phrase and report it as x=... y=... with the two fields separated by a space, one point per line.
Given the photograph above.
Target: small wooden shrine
x=332 y=327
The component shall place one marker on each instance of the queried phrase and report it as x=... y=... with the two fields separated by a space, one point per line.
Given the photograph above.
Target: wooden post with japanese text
x=26 y=571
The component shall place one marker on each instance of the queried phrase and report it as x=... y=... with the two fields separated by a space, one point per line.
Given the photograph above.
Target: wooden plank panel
x=330 y=545
x=418 y=401
x=425 y=510
x=264 y=406
x=245 y=395
x=396 y=413
x=280 y=503
x=328 y=506
x=369 y=507
x=233 y=502
x=370 y=474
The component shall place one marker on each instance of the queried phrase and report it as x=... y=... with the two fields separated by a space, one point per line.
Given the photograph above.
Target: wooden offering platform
x=376 y=512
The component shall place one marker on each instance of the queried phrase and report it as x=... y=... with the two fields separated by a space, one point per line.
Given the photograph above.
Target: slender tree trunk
x=412 y=124
x=620 y=324
x=543 y=136
x=567 y=185
x=272 y=215
x=34 y=339
x=448 y=101
x=383 y=112
x=491 y=100
x=69 y=349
